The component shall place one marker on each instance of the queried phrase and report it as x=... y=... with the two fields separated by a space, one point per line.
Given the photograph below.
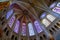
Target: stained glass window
x=58 y=4
x=38 y=26
x=31 y=31
x=43 y=15
x=46 y=22
x=9 y=13
x=56 y=9
x=17 y=26
x=51 y=18
x=24 y=29
x=53 y=5
x=11 y=21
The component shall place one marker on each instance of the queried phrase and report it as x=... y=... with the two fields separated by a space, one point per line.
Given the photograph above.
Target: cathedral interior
x=29 y=19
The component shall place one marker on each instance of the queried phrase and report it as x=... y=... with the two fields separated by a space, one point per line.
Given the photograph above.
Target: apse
x=30 y=20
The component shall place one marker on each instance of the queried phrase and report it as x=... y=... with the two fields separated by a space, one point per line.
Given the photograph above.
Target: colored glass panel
x=11 y=21
x=53 y=5
x=46 y=22
x=17 y=26
x=9 y=13
x=24 y=29
x=58 y=4
x=51 y=18
x=43 y=15
x=31 y=31
x=38 y=26
x=56 y=9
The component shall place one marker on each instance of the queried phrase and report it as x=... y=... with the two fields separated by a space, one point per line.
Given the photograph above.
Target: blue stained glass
x=17 y=26
x=53 y=5
x=24 y=29
x=58 y=4
x=38 y=26
x=9 y=14
x=31 y=31
x=11 y=6
x=11 y=21
x=56 y=12
x=43 y=15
